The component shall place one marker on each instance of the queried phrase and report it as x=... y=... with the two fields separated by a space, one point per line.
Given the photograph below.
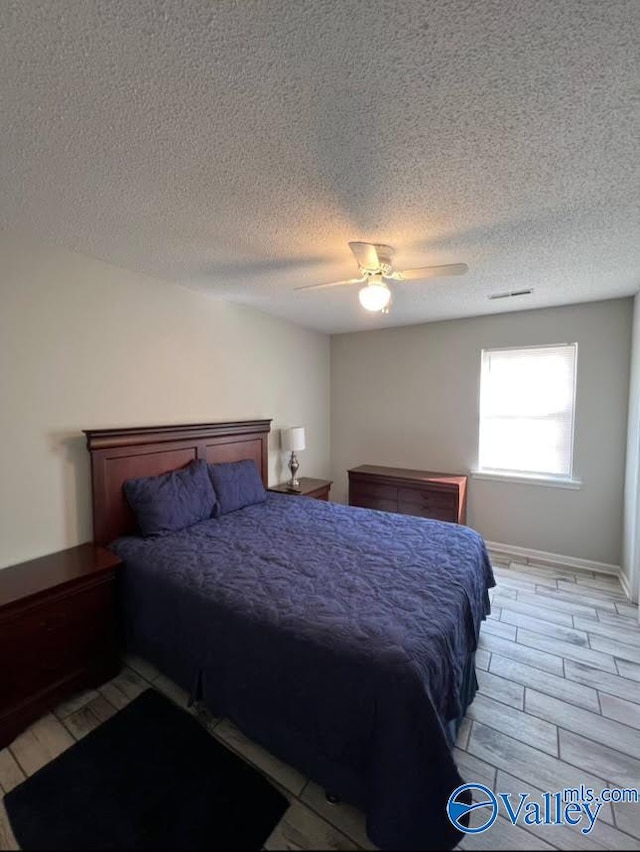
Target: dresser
x=309 y=487
x=441 y=496
x=57 y=631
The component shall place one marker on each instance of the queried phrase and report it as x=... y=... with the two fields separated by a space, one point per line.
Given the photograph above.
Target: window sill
x=553 y=482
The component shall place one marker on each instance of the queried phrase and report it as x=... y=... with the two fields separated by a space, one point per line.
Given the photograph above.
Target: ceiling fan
x=375 y=262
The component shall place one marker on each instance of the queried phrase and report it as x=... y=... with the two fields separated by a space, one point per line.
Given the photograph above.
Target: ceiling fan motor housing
x=373 y=258
x=385 y=257
x=384 y=265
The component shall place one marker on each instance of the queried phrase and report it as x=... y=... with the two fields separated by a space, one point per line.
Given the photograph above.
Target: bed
x=341 y=639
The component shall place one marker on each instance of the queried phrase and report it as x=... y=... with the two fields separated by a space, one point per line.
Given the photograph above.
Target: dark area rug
x=148 y=778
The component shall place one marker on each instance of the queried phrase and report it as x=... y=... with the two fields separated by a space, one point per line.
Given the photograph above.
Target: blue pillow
x=172 y=501
x=237 y=484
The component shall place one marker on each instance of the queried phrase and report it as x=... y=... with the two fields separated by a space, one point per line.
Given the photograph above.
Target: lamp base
x=294 y=483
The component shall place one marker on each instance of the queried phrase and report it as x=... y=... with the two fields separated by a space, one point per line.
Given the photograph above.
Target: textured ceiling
x=235 y=147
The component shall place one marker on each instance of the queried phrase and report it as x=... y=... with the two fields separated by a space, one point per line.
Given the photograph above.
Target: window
x=527 y=401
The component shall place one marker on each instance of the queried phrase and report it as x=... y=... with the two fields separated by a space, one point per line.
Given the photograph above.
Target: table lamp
x=292 y=440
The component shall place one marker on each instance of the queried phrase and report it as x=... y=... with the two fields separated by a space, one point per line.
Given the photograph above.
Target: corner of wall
x=631 y=530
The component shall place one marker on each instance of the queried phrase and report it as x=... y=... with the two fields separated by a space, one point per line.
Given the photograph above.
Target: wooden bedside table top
x=307 y=485
x=54 y=571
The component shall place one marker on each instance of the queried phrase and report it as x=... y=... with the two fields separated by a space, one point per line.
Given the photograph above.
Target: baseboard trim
x=557 y=560
x=626 y=587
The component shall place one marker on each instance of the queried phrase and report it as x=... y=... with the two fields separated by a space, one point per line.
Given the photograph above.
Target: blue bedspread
x=340 y=638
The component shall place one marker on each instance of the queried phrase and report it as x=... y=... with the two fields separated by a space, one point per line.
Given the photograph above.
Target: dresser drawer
x=46 y=642
x=429 y=499
x=423 y=512
x=373 y=495
x=413 y=501
x=378 y=503
x=373 y=491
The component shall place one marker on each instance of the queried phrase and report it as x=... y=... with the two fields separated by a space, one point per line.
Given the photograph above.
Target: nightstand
x=57 y=631
x=318 y=488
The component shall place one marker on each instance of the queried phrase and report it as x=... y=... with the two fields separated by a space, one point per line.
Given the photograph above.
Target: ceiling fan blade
x=424 y=272
x=366 y=255
x=332 y=284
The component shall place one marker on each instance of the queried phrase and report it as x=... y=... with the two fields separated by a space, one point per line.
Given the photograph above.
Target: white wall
x=87 y=345
x=631 y=545
x=409 y=397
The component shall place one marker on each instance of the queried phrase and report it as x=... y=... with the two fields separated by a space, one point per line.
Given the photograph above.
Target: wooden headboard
x=121 y=454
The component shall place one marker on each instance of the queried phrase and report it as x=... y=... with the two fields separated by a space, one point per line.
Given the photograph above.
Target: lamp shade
x=292 y=440
x=375 y=296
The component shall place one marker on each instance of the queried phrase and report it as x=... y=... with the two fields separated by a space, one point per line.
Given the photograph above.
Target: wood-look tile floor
x=558 y=706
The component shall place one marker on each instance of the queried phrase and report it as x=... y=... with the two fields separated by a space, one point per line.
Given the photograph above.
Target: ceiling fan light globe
x=375 y=296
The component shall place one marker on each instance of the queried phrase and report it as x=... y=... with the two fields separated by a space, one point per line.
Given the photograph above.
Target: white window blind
x=527 y=401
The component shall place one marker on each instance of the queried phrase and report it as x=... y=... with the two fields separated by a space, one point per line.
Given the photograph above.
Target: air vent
x=512 y=293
